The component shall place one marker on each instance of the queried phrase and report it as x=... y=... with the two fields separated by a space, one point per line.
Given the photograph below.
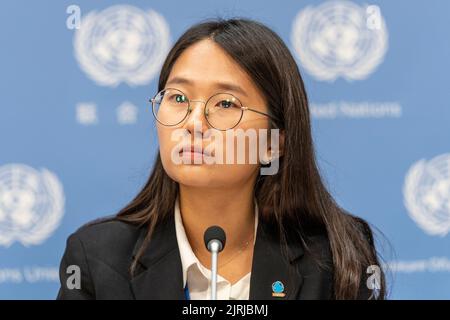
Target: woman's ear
x=276 y=151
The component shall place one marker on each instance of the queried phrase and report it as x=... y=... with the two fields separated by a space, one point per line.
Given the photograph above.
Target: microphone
x=215 y=242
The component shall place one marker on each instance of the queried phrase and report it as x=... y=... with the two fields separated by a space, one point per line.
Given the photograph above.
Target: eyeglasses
x=222 y=111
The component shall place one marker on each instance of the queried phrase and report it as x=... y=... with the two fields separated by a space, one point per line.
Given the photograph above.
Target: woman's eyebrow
x=219 y=85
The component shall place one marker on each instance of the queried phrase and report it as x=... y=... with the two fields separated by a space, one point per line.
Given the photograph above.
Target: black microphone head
x=215 y=233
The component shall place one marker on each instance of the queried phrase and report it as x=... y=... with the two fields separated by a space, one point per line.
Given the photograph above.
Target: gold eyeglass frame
x=205 y=112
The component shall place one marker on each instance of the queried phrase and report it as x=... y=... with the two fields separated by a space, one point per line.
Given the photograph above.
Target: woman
x=286 y=238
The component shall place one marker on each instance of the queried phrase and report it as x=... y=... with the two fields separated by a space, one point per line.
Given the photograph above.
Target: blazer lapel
x=269 y=266
x=159 y=275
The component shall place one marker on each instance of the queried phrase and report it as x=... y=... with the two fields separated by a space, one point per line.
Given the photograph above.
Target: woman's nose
x=195 y=121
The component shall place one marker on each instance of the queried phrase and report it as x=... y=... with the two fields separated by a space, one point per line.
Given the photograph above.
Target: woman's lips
x=194 y=151
x=194 y=154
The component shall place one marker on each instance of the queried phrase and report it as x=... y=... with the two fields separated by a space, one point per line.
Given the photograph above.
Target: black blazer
x=104 y=252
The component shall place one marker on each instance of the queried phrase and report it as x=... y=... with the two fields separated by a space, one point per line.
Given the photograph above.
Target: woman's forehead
x=206 y=62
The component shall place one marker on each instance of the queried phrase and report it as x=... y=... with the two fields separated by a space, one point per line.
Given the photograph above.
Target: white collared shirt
x=198 y=276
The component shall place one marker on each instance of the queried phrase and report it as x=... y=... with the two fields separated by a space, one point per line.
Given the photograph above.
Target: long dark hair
x=295 y=199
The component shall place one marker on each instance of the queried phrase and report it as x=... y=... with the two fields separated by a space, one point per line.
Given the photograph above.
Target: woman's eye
x=226 y=104
x=178 y=98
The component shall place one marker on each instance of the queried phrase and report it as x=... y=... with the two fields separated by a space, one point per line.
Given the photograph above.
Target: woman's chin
x=193 y=175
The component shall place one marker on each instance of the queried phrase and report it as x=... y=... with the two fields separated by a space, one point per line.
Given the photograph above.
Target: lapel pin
x=278 y=289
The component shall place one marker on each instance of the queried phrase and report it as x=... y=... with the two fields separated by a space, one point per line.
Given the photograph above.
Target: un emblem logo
x=122 y=44
x=427 y=194
x=31 y=204
x=340 y=39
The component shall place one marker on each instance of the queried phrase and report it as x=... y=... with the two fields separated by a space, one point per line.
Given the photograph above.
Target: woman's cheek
x=165 y=146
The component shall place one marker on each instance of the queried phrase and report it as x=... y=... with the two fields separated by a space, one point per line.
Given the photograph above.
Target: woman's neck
x=231 y=209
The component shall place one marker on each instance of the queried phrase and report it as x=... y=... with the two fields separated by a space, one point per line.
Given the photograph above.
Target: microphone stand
x=214 y=247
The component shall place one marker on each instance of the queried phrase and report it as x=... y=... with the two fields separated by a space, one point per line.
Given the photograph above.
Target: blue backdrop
x=77 y=143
